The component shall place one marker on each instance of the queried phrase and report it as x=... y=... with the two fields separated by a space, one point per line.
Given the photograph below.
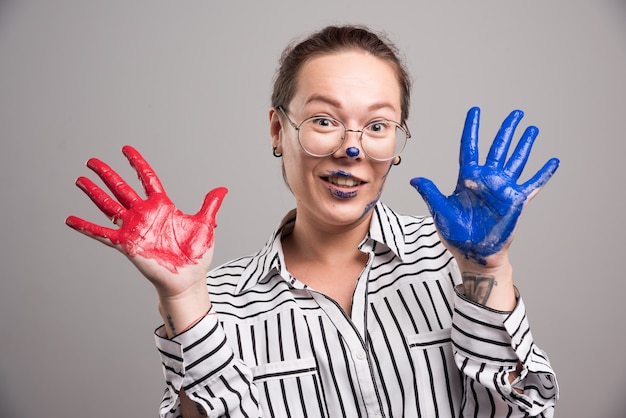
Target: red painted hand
x=151 y=230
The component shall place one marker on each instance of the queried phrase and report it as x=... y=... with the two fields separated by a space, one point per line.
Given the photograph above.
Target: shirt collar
x=386 y=228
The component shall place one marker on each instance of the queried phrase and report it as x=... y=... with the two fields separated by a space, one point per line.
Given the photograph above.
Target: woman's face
x=356 y=88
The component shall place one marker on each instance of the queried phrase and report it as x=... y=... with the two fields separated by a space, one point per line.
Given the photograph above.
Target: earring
x=398 y=160
x=276 y=154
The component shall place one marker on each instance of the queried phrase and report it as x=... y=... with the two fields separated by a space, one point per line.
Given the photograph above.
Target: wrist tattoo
x=478 y=287
x=170 y=323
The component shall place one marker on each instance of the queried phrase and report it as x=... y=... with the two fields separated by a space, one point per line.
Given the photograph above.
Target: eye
x=325 y=122
x=379 y=128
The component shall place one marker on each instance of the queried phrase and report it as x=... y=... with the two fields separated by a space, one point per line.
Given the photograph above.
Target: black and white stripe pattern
x=413 y=347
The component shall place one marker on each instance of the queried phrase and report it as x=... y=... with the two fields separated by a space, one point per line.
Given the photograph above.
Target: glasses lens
x=383 y=139
x=321 y=136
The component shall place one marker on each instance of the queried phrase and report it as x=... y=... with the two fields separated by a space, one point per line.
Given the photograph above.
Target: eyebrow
x=337 y=104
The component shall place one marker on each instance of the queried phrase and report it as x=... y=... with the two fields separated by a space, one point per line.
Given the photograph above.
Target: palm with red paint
x=172 y=249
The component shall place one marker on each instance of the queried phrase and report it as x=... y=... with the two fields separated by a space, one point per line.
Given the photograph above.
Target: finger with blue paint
x=478 y=219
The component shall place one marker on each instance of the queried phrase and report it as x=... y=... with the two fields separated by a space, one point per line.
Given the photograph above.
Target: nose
x=352 y=147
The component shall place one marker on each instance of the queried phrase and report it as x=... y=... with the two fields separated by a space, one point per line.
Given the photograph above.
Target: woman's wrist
x=182 y=311
x=489 y=286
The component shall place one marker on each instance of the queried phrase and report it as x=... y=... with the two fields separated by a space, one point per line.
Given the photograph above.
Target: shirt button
x=360 y=355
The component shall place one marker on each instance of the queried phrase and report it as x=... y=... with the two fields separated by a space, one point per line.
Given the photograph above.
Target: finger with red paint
x=122 y=191
x=148 y=177
x=110 y=207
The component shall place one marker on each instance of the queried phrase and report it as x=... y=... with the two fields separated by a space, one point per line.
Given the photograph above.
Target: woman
x=350 y=309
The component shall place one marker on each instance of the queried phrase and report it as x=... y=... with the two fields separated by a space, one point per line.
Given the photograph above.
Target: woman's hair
x=334 y=39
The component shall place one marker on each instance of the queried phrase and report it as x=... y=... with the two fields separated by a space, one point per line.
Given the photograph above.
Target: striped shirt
x=413 y=346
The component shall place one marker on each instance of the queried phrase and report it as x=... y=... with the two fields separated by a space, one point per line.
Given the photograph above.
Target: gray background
x=188 y=84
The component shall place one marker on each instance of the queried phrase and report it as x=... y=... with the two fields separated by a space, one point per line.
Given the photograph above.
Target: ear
x=276 y=126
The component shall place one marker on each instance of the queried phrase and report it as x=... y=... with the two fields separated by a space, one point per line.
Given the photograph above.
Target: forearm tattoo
x=478 y=287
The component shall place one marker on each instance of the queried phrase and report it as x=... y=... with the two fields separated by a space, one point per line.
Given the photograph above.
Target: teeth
x=343 y=181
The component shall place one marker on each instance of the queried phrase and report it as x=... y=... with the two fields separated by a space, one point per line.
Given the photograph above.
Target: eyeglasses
x=321 y=136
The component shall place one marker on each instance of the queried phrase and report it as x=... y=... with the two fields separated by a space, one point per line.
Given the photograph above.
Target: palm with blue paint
x=479 y=218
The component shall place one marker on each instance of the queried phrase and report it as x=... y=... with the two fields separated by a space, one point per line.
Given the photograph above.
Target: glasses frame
x=403 y=127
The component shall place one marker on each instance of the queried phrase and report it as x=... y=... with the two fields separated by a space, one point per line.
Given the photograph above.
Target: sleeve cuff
x=490 y=336
x=195 y=355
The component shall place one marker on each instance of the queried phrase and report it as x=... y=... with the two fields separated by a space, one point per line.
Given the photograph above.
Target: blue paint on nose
x=352 y=152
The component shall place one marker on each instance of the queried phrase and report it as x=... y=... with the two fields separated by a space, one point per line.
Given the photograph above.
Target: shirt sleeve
x=490 y=344
x=201 y=362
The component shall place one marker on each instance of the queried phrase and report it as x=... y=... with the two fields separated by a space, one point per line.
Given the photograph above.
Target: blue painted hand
x=479 y=218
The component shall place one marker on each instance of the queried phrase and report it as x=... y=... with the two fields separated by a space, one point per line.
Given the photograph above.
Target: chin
x=348 y=211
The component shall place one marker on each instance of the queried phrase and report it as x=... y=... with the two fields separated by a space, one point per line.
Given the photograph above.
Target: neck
x=327 y=259
x=325 y=244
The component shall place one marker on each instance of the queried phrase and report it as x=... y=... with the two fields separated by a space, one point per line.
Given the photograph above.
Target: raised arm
x=171 y=249
x=477 y=221
x=494 y=347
